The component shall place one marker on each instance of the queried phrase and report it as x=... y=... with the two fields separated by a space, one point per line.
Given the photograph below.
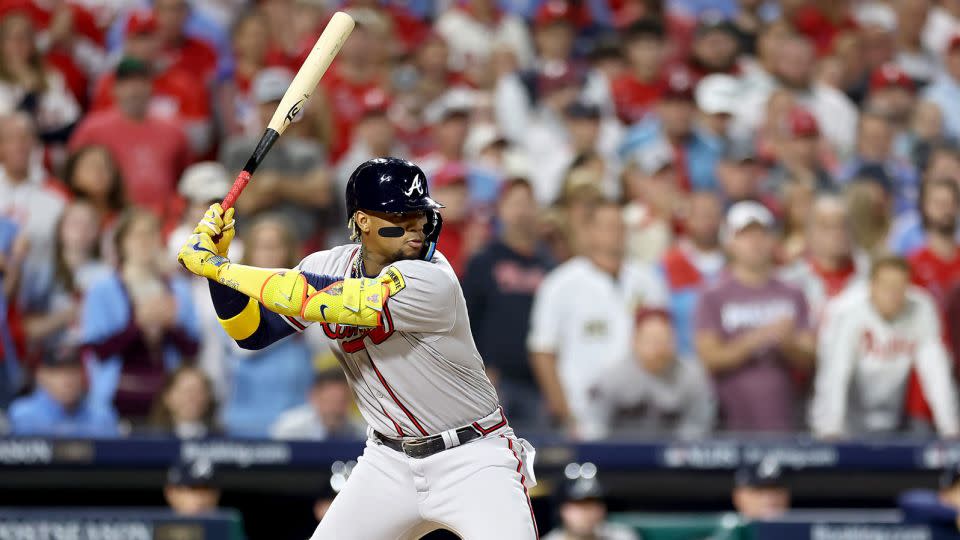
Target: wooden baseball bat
x=295 y=98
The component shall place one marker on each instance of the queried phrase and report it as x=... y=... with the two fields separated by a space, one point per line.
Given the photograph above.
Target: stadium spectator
x=374 y=135
x=185 y=407
x=919 y=62
x=941 y=161
x=53 y=319
x=91 y=174
x=945 y=88
x=28 y=85
x=150 y=152
x=463 y=232
x=250 y=45
x=181 y=51
x=499 y=287
x=13 y=248
x=138 y=323
x=716 y=97
x=871 y=337
x=796 y=197
x=874 y=148
x=692 y=262
x=636 y=91
x=473 y=29
x=27 y=198
x=60 y=405
x=716 y=47
x=201 y=185
x=653 y=199
x=892 y=94
x=753 y=331
x=798 y=153
x=940 y=509
x=654 y=393
x=583 y=508
x=831 y=264
x=262 y=384
x=292 y=178
x=870 y=205
x=326 y=414
x=740 y=176
x=583 y=312
x=936 y=265
x=177 y=95
x=448 y=118
x=192 y=488
x=760 y=491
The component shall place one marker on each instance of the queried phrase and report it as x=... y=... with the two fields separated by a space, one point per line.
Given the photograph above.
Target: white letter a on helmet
x=416 y=186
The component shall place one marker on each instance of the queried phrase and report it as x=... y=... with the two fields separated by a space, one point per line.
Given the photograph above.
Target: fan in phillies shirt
x=936 y=265
x=181 y=51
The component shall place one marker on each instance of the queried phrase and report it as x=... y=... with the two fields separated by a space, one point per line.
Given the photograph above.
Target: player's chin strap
x=432 y=232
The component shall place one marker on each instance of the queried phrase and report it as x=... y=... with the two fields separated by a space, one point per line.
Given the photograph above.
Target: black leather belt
x=425 y=446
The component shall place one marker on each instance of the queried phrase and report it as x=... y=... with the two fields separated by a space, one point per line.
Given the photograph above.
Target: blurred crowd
x=671 y=218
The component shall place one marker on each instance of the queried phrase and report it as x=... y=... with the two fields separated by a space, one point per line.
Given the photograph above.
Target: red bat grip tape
x=238 y=186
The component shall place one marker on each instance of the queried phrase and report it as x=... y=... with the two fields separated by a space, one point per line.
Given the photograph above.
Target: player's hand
x=219 y=226
x=198 y=255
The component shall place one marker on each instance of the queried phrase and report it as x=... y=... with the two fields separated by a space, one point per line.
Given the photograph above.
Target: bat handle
x=238 y=186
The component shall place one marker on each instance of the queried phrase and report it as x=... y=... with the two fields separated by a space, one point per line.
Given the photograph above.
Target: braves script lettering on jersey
x=417 y=375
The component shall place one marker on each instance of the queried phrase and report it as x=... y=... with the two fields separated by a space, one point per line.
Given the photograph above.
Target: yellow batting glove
x=219 y=225
x=199 y=256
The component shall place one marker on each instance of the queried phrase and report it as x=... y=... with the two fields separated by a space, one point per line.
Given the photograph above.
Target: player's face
x=581 y=518
x=190 y=501
x=761 y=502
x=407 y=246
x=888 y=291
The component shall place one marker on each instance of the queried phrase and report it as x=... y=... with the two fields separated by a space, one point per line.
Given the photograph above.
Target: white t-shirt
x=585 y=316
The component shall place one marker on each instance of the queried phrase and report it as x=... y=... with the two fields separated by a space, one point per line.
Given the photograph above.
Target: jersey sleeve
x=423 y=299
x=836 y=358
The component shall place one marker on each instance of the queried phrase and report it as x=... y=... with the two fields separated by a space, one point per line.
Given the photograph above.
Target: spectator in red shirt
x=462 y=234
x=151 y=152
x=181 y=51
x=176 y=94
x=822 y=21
x=635 y=91
x=799 y=152
x=250 y=39
x=936 y=266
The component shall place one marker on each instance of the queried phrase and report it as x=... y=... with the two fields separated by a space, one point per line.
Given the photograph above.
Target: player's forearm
x=545 y=370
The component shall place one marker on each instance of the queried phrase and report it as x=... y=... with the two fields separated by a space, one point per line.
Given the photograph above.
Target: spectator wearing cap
x=892 y=93
x=473 y=29
x=692 y=262
x=463 y=231
x=637 y=90
x=653 y=199
x=28 y=198
x=875 y=137
x=653 y=393
x=583 y=508
x=138 y=323
x=822 y=22
x=940 y=509
x=760 y=491
x=793 y=66
x=27 y=84
x=871 y=338
x=151 y=152
x=448 y=118
x=176 y=94
x=374 y=136
x=192 y=488
x=60 y=405
x=918 y=61
x=293 y=178
x=582 y=315
x=831 y=263
x=716 y=47
x=499 y=285
x=326 y=415
x=753 y=330
x=716 y=97
x=945 y=88
x=555 y=139
x=799 y=153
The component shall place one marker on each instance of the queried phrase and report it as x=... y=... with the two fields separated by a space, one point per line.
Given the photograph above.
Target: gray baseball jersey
x=420 y=373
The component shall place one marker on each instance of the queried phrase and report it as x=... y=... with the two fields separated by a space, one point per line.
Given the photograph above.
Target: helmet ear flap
x=431 y=231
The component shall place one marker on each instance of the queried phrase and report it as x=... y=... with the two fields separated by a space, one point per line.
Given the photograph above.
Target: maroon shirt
x=759 y=395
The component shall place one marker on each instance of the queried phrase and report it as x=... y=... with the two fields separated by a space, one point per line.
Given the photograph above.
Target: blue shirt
x=905 y=178
x=40 y=414
x=701 y=150
x=945 y=92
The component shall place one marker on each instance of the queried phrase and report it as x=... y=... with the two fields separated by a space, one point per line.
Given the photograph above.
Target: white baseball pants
x=477 y=490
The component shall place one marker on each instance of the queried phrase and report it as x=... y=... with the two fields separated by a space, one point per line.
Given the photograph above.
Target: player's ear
x=363 y=221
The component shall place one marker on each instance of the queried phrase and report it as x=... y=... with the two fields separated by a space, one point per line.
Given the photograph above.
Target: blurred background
x=708 y=248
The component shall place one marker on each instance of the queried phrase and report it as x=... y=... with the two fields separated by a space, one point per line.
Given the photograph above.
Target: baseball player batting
x=440 y=453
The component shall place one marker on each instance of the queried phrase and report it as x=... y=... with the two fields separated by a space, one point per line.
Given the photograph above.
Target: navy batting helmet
x=394 y=186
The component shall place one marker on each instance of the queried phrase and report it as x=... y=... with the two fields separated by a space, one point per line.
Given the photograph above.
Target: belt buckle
x=414 y=448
